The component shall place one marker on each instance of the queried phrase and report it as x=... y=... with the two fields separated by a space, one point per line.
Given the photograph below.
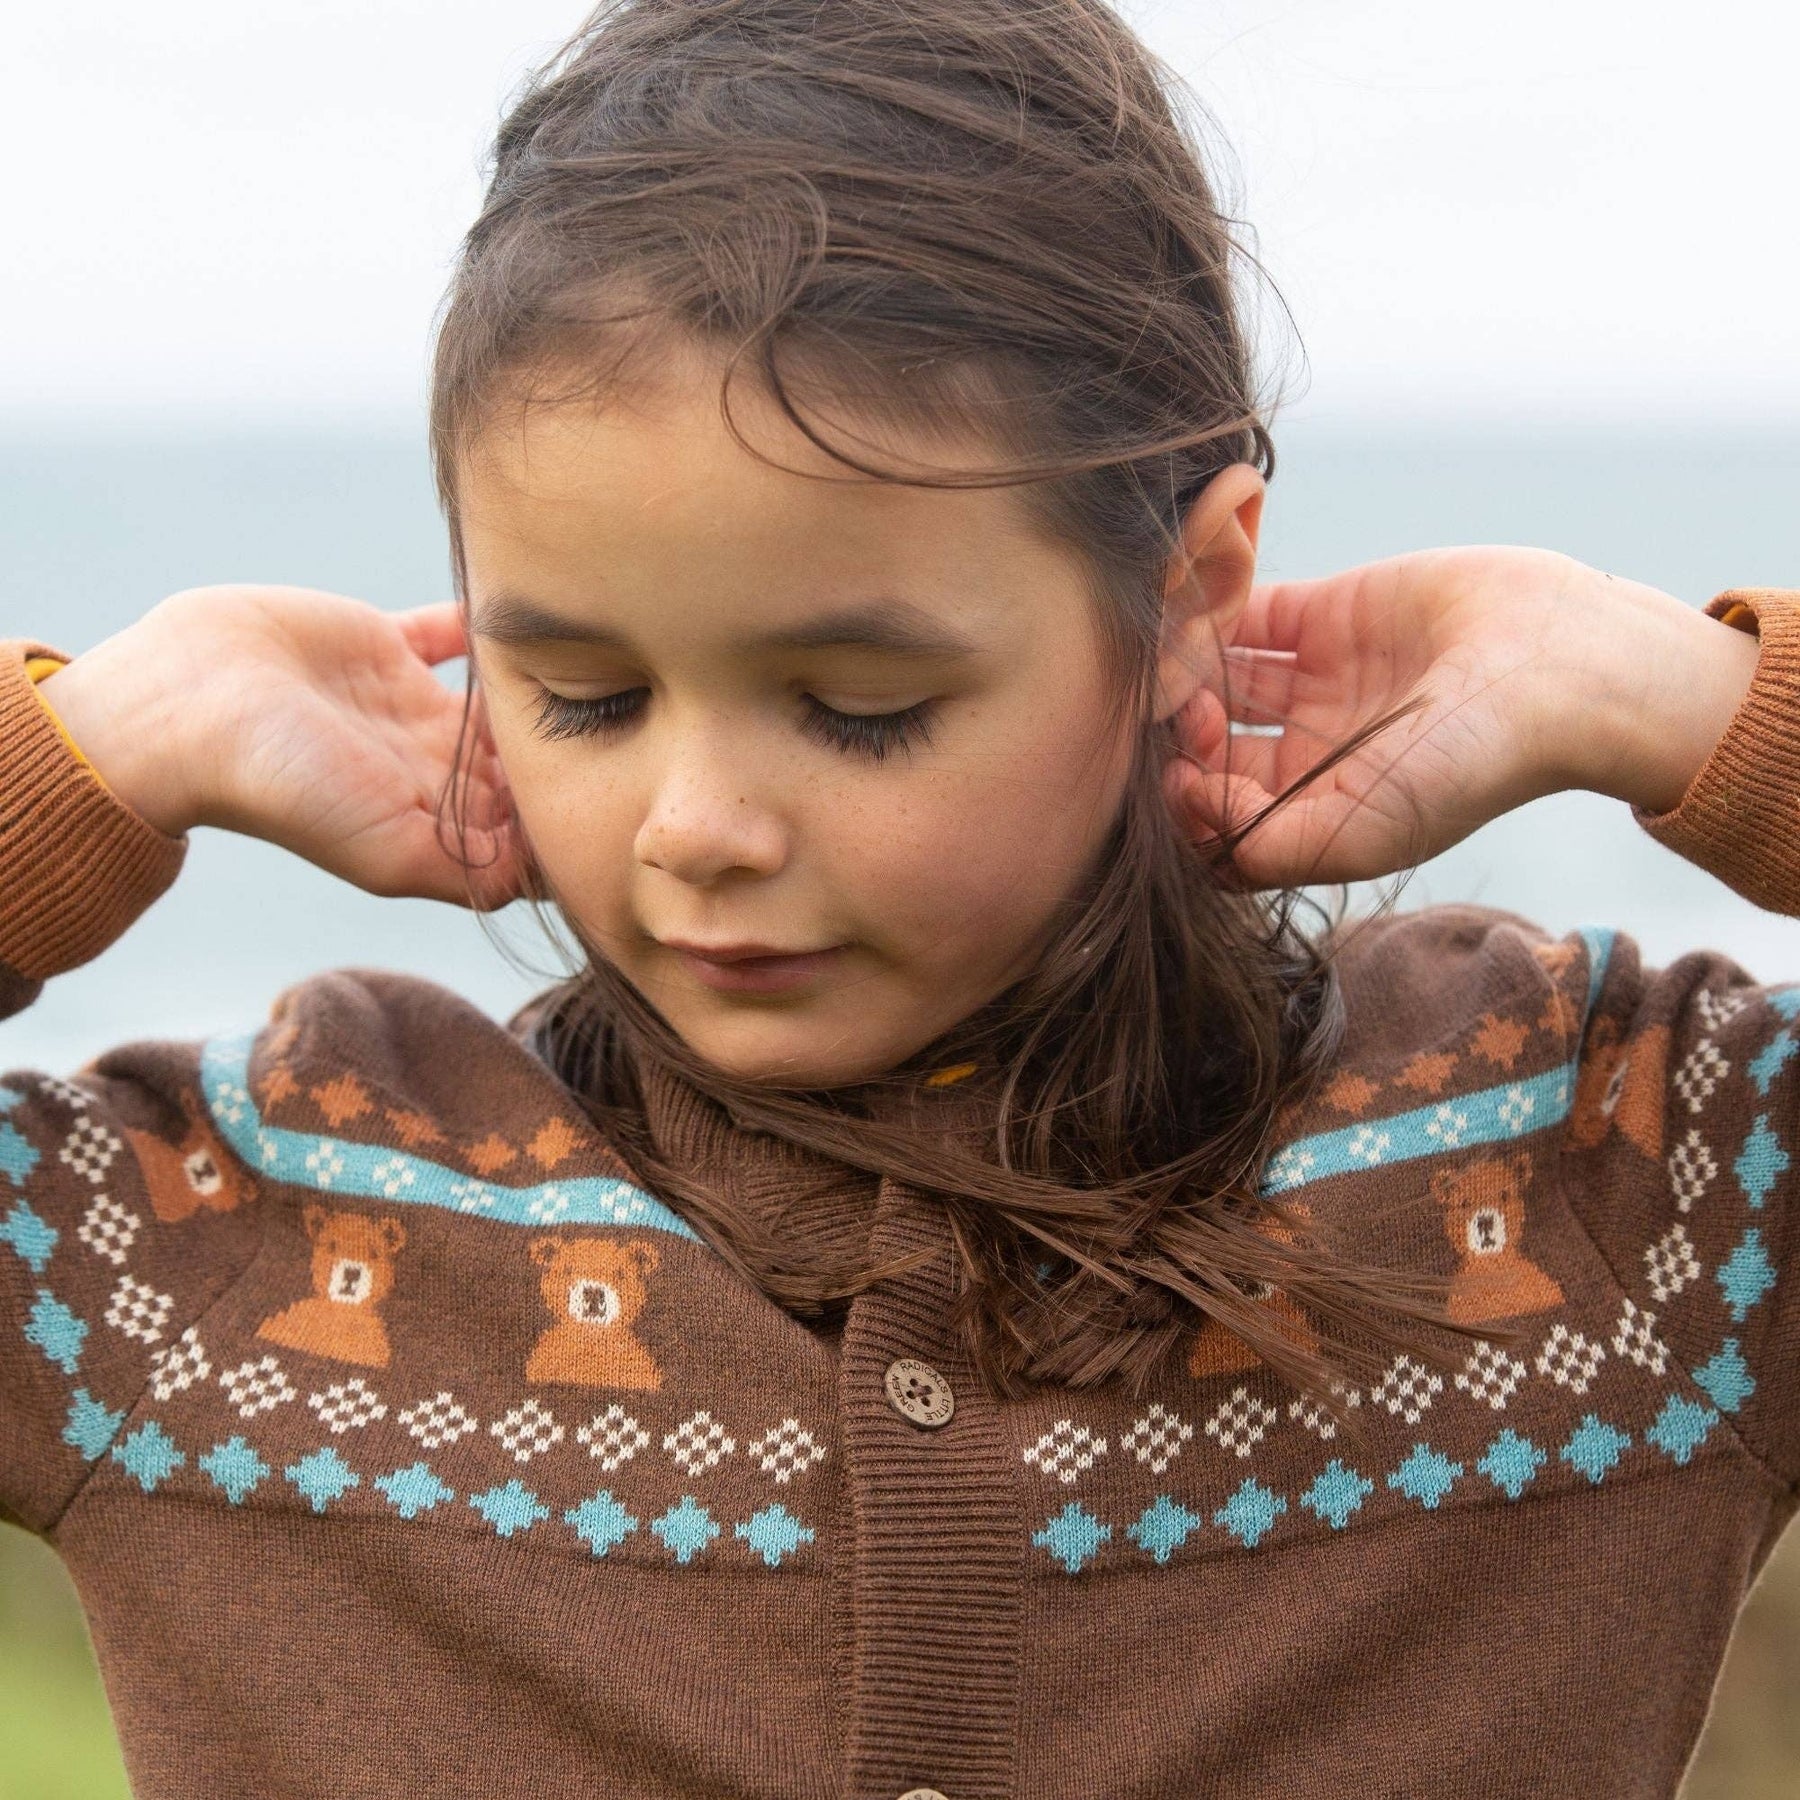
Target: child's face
x=707 y=609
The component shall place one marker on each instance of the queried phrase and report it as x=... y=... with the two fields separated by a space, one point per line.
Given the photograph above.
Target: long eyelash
x=560 y=717
x=873 y=735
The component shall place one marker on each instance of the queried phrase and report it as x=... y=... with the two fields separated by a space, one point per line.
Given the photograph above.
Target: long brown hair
x=989 y=217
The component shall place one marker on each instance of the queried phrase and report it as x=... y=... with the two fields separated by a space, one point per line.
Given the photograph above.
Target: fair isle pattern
x=396 y=1177
x=1492 y=1115
x=327 y=1471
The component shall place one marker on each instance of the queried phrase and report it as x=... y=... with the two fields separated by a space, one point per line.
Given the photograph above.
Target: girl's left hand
x=1527 y=672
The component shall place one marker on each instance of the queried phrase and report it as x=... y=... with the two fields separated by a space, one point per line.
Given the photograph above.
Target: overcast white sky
x=1545 y=207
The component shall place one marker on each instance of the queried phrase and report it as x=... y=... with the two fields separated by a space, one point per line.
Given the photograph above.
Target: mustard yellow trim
x=948 y=1077
x=1738 y=614
x=36 y=668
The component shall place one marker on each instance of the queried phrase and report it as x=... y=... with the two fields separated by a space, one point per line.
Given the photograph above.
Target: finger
x=434 y=633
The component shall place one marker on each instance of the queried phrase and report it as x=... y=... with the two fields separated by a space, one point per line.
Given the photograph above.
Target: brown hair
x=979 y=216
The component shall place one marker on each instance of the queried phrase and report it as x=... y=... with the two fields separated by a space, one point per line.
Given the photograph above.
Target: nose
x=705 y=820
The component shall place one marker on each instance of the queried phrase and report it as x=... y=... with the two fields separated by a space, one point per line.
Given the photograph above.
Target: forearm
x=1658 y=684
x=77 y=864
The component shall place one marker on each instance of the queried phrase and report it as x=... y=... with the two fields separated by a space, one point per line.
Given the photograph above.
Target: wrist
x=1665 y=682
x=128 y=727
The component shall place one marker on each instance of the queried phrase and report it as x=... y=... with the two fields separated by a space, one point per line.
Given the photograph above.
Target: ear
x=1206 y=584
x=393 y=1233
x=1521 y=1171
x=644 y=1254
x=545 y=1251
x=314 y=1218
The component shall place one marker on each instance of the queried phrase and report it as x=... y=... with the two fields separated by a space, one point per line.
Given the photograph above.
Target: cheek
x=968 y=865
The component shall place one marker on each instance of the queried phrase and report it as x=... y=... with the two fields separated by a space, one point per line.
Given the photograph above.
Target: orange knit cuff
x=1740 y=817
x=77 y=865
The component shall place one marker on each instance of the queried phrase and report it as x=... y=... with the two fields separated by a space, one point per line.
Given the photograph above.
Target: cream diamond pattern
x=1692 y=1167
x=179 y=1365
x=612 y=1438
x=527 y=1431
x=698 y=1443
x=1158 y=1437
x=1569 y=1358
x=1240 y=1423
x=109 y=1229
x=1407 y=1389
x=1672 y=1263
x=438 y=1421
x=89 y=1148
x=257 y=1387
x=1066 y=1451
x=1700 y=1073
x=1491 y=1376
x=139 y=1311
x=1312 y=1412
x=1635 y=1338
x=347 y=1406
x=786 y=1450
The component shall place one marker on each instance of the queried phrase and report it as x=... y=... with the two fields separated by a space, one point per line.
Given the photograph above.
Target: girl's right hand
x=302 y=717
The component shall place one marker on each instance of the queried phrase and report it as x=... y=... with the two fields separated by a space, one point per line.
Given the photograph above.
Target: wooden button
x=916 y=1391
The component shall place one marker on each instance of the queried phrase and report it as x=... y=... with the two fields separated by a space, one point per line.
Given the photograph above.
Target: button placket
x=916 y=1391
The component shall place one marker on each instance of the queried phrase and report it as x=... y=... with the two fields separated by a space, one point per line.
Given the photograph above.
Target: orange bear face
x=1484 y=1218
x=595 y=1288
x=352 y=1273
x=198 y=1174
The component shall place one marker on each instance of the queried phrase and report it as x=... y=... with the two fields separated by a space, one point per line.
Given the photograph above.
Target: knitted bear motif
x=352 y=1273
x=594 y=1288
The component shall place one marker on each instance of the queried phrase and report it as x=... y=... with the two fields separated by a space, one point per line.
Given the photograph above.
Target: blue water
x=96 y=530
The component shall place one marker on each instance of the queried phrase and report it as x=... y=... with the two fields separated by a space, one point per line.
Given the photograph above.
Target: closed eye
x=872 y=736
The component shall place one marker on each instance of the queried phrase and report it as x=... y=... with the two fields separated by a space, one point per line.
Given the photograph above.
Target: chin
x=789 y=1053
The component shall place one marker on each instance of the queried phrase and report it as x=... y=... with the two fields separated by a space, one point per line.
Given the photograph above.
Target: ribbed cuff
x=77 y=865
x=1740 y=817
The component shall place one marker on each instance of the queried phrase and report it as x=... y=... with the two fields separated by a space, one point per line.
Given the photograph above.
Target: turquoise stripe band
x=1495 y=1115
x=396 y=1177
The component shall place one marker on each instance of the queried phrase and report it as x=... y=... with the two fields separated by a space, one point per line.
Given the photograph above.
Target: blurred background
x=1542 y=294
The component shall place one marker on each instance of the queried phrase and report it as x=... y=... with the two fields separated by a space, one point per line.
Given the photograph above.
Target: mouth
x=752 y=968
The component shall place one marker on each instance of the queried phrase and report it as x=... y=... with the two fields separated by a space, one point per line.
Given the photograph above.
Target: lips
x=736 y=953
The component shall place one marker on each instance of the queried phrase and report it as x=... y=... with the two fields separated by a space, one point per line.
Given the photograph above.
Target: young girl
x=960 y=1295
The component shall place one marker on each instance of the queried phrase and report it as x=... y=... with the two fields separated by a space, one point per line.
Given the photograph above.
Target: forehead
x=648 y=491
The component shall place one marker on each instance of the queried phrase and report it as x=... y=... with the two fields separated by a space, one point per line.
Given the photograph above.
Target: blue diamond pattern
x=511 y=1508
x=17 y=1158
x=774 y=1533
x=1163 y=1527
x=91 y=1427
x=56 y=1331
x=1249 y=1513
x=1073 y=1537
x=1771 y=1060
x=149 y=1456
x=1785 y=1002
x=9 y=1098
x=414 y=1490
x=1593 y=1448
x=1761 y=1162
x=1747 y=1276
x=322 y=1477
x=1426 y=1476
x=235 y=1469
x=1512 y=1462
x=1336 y=1493
x=1681 y=1427
x=29 y=1236
x=685 y=1529
x=601 y=1522
x=1727 y=1378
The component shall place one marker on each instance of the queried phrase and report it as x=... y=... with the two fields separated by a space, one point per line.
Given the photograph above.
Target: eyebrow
x=895 y=626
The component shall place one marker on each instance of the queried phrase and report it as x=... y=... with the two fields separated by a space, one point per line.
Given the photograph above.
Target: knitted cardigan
x=400 y=1443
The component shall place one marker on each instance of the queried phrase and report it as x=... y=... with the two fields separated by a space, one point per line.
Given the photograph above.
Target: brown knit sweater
x=401 y=1445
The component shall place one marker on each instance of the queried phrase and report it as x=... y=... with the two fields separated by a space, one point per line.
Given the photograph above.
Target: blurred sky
x=1551 y=207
